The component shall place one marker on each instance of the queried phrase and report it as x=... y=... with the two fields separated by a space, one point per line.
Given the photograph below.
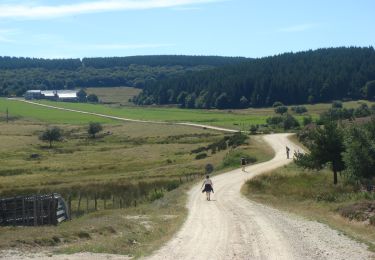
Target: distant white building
x=33 y=94
x=57 y=95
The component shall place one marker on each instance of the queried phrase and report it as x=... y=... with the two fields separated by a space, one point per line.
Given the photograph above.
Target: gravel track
x=233 y=227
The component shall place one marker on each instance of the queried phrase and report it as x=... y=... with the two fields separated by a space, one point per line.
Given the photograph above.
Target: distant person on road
x=287 y=152
x=243 y=163
x=207 y=183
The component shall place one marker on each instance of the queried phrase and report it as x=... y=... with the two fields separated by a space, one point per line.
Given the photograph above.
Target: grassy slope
x=236 y=119
x=115 y=157
x=115 y=95
x=20 y=109
x=312 y=195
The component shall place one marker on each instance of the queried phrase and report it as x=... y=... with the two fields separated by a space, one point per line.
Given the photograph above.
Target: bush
x=156 y=194
x=200 y=156
x=290 y=122
x=307 y=120
x=199 y=150
x=281 y=110
x=209 y=168
x=233 y=158
x=254 y=129
x=94 y=128
x=299 y=109
x=274 y=120
x=336 y=104
x=372 y=220
x=53 y=134
x=236 y=140
x=362 y=111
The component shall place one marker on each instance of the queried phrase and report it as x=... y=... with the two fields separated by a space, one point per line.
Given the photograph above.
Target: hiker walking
x=207 y=183
x=287 y=152
x=243 y=163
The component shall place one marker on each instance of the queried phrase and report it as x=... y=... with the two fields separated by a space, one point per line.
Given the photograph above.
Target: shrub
x=274 y=120
x=254 y=129
x=94 y=128
x=372 y=220
x=233 y=158
x=362 y=111
x=209 y=168
x=337 y=104
x=281 y=110
x=53 y=134
x=236 y=140
x=299 y=109
x=307 y=120
x=290 y=122
x=199 y=150
x=200 y=156
x=156 y=194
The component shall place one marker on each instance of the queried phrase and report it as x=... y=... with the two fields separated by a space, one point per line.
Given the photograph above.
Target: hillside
x=20 y=74
x=292 y=78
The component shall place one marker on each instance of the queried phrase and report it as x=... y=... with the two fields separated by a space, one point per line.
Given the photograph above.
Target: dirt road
x=232 y=227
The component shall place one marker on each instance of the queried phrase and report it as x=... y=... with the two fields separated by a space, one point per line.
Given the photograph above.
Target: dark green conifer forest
x=207 y=81
x=292 y=78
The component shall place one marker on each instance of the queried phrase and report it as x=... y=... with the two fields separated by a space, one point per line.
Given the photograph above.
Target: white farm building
x=57 y=95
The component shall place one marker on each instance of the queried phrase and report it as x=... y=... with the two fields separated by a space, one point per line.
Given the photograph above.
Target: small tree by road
x=327 y=147
x=94 y=128
x=281 y=110
x=53 y=134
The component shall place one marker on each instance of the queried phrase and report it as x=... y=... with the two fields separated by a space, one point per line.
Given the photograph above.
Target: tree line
x=293 y=78
x=20 y=74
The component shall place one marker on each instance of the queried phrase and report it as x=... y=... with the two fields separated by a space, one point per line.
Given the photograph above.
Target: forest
x=293 y=78
x=20 y=74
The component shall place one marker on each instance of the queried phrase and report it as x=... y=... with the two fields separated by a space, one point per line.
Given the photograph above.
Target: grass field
x=130 y=154
x=115 y=95
x=234 y=119
x=32 y=112
x=312 y=195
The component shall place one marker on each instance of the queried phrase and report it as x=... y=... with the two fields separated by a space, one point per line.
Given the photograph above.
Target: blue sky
x=250 y=28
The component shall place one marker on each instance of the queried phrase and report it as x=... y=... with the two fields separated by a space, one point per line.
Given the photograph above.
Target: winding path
x=232 y=227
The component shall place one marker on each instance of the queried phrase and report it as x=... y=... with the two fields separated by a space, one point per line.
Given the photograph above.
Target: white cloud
x=298 y=28
x=27 y=10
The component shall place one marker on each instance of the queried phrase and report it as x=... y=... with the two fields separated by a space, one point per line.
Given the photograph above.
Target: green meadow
x=226 y=118
x=240 y=119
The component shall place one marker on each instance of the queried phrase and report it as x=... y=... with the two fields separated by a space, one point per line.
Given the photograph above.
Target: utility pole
x=7 y=115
